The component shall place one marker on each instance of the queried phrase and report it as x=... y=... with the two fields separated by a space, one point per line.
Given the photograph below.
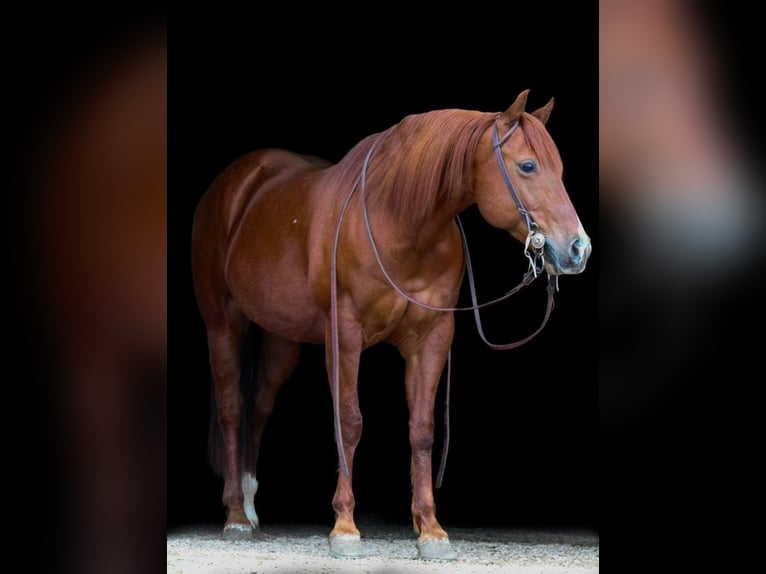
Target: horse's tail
x=247 y=390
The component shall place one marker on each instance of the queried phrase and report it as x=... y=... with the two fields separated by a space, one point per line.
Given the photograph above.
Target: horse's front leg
x=425 y=362
x=345 y=540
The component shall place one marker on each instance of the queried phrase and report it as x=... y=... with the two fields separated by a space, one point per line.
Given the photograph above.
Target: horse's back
x=231 y=192
x=249 y=238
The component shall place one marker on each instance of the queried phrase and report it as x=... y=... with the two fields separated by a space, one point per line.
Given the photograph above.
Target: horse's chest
x=381 y=317
x=392 y=319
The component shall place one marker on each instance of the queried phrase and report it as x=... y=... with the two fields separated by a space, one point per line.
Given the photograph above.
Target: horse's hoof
x=346 y=546
x=436 y=549
x=237 y=532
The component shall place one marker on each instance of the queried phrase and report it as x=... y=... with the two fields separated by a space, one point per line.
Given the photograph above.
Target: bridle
x=533 y=250
x=535 y=240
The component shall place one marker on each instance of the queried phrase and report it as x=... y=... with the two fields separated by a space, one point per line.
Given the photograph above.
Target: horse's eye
x=528 y=166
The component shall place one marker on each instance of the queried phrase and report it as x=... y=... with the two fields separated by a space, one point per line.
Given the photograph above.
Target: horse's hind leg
x=277 y=358
x=425 y=362
x=225 y=340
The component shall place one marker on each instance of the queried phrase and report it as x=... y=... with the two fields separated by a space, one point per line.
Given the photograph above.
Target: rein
x=533 y=250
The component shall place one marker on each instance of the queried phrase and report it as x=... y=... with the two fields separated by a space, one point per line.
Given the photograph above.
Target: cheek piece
x=535 y=241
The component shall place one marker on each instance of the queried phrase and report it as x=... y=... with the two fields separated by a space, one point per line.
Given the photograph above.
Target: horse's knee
x=421 y=437
x=352 y=428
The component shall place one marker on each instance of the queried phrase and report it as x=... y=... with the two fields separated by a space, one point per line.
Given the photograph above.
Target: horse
x=282 y=241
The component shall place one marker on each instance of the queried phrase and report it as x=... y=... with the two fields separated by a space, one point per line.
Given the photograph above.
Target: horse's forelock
x=540 y=141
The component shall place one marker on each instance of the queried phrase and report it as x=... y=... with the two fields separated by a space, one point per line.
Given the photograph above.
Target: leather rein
x=533 y=250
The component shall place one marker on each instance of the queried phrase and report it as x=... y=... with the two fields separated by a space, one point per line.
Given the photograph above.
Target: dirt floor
x=389 y=549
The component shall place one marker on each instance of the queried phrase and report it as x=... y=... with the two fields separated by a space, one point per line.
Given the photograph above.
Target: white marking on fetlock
x=249 y=488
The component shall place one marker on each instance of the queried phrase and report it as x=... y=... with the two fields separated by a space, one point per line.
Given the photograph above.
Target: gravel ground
x=390 y=550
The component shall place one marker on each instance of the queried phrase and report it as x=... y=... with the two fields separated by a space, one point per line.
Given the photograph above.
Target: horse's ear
x=513 y=113
x=545 y=112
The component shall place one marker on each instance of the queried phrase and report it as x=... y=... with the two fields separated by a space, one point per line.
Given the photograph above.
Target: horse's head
x=518 y=186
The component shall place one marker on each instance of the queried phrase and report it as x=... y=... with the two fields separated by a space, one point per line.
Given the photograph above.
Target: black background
x=524 y=422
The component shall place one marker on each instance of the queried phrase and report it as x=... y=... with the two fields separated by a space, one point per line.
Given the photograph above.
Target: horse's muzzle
x=569 y=260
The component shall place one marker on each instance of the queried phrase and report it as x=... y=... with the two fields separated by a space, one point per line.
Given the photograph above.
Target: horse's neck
x=404 y=236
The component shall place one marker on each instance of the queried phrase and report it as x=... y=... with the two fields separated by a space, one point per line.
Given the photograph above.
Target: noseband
x=533 y=250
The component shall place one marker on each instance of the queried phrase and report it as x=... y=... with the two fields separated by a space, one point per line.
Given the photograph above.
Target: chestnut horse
x=282 y=241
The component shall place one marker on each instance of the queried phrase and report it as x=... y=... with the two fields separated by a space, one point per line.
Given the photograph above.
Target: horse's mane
x=427 y=159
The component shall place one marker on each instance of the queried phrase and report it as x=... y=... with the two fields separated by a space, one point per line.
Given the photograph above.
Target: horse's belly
x=269 y=282
x=298 y=323
x=279 y=301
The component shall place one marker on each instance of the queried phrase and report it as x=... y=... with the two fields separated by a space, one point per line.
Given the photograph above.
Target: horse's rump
x=251 y=231
x=238 y=185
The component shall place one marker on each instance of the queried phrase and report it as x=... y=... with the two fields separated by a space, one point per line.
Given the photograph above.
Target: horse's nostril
x=576 y=250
